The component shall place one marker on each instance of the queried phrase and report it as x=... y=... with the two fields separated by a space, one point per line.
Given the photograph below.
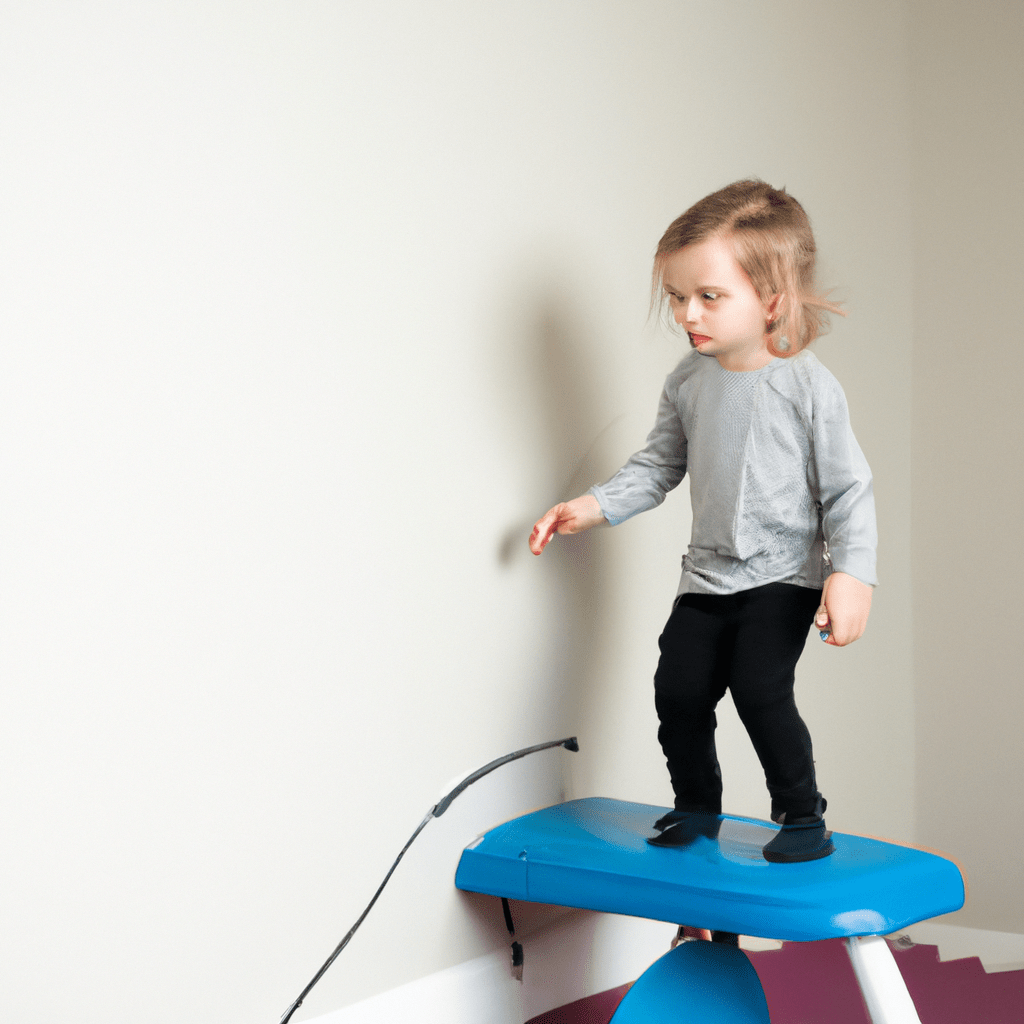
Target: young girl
x=783 y=513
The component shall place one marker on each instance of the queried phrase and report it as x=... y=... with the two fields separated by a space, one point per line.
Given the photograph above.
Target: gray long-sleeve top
x=775 y=475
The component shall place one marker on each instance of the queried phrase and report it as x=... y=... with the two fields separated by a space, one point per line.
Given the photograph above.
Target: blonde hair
x=773 y=243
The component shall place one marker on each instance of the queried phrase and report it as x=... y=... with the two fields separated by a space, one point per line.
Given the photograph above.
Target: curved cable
x=570 y=743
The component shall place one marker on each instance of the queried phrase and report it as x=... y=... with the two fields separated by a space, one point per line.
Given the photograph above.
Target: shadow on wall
x=559 y=379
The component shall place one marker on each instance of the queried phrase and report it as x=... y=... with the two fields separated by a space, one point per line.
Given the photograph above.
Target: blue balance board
x=593 y=854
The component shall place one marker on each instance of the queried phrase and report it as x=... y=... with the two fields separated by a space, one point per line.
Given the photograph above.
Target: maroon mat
x=811 y=982
x=592 y=1010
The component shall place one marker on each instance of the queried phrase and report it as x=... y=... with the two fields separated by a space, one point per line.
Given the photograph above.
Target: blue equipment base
x=592 y=854
x=696 y=982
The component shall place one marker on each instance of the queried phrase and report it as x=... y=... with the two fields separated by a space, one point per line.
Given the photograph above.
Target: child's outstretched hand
x=845 y=606
x=566 y=517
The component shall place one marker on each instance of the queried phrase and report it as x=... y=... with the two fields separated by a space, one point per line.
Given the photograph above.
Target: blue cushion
x=698 y=982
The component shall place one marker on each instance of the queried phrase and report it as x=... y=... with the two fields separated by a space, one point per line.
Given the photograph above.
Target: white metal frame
x=880 y=980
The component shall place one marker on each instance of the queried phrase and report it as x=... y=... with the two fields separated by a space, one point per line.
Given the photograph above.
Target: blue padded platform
x=592 y=854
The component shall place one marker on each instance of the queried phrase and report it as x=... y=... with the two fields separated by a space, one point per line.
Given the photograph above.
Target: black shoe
x=689 y=826
x=672 y=818
x=800 y=840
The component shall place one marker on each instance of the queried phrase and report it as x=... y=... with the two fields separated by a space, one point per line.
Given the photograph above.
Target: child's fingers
x=543 y=531
x=823 y=625
x=538 y=539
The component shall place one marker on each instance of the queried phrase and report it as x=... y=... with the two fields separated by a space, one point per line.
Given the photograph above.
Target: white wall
x=968 y=438
x=307 y=312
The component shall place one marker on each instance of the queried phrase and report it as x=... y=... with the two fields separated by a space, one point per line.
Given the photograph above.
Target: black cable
x=442 y=805
x=435 y=812
x=517 y=948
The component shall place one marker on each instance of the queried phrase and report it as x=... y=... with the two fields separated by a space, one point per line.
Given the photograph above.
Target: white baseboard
x=582 y=953
x=481 y=990
x=579 y=954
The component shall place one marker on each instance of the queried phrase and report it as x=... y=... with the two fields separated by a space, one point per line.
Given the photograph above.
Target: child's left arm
x=844 y=610
x=848 y=516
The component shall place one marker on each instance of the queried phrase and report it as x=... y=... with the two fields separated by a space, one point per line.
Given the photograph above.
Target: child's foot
x=800 y=840
x=685 y=933
x=672 y=818
x=675 y=816
x=689 y=826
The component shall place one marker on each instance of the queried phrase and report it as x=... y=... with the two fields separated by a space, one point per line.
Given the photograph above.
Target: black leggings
x=747 y=643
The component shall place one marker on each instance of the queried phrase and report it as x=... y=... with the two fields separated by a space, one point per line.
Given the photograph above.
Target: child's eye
x=709 y=296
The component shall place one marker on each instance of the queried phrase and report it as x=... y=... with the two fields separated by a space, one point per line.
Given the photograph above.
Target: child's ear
x=772 y=306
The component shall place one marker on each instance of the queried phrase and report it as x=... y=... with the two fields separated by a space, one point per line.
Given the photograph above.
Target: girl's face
x=714 y=300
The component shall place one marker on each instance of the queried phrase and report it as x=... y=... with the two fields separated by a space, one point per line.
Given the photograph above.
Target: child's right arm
x=641 y=484
x=566 y=517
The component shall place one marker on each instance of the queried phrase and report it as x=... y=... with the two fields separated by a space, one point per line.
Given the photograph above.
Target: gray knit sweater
x=775 y=475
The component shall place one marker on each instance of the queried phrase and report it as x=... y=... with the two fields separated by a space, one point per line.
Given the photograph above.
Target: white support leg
x=880 y=980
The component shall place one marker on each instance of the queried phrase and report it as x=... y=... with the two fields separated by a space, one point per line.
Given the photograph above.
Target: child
x=783 y=513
